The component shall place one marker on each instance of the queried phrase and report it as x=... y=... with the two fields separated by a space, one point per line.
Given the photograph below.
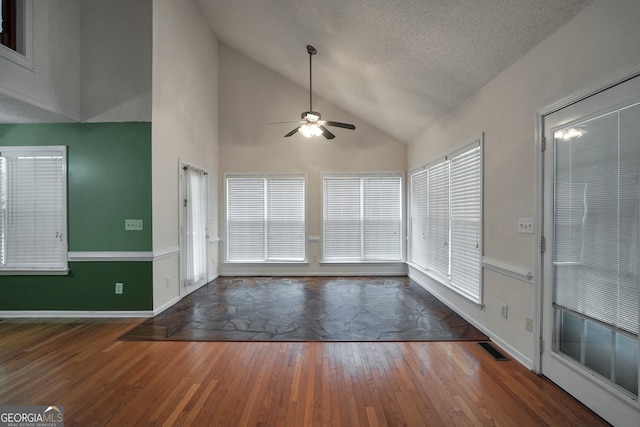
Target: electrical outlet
x=168 y=281
x=504 y=310
x=119 y=288
x=133 y=224
x=528 y=324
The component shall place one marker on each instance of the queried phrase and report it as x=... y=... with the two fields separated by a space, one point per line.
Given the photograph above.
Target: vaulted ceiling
x=398 y=65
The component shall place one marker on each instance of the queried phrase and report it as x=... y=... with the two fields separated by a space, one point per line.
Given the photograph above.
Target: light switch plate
x=133 y=224
x=525 y=225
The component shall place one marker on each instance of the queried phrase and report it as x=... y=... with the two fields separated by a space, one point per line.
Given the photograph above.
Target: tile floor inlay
x=308 y=309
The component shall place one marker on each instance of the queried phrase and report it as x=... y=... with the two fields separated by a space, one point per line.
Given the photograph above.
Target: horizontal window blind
x=382 y=216
x=445 y=236
x=33 y=208
x=465 y=223
x=265 y=219
x=418 y=219
x=362 y=218
x=285 y=219
x=341 y=219
x=438 y=218
x=596 y=208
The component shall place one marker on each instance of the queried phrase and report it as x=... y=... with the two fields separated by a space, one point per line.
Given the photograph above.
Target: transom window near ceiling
x=15 y=34
x=8 y=23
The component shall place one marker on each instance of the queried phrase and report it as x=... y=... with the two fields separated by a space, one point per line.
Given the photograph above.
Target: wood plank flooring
x=100 y=381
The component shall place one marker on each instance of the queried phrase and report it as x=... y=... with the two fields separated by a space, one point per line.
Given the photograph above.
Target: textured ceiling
x=398 y=65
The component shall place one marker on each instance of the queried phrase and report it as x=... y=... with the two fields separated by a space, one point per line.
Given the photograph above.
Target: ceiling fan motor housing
x=311 y=116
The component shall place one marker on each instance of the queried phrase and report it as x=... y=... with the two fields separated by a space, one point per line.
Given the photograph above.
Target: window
x=8 y=24
x=33 y=209
x=15 y=32
x=445 y=220
x=362 y=217
x=266 y=218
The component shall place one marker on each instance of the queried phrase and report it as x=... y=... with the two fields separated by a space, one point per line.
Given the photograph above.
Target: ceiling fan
x=311 y=123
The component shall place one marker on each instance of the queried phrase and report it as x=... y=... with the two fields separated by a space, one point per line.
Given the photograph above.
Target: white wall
x=116 y=49
x=600 y=41
x=185 y=128
x=251 y=96
x=49 y=91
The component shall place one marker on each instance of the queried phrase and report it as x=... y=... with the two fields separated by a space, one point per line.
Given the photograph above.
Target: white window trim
x=225 y=239
x=65 y=240
x=403 y=225
x=446 y=281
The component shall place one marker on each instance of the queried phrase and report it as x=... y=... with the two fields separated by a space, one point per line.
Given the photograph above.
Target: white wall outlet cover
x=133 y=224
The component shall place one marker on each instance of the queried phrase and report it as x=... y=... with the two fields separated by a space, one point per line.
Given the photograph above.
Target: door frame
x=599 y=86
x=182 y=291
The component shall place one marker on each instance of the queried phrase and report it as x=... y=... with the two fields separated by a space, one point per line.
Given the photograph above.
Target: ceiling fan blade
x=340 y=125
x=292 y=132
x=326 y=133
x=279 y=123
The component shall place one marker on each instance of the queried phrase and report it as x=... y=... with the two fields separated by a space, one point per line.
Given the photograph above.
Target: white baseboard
x=165 y=306
x=514 y=353
x=73 y=313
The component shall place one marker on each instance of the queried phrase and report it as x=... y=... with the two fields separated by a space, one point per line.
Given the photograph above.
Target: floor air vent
x=486 y=346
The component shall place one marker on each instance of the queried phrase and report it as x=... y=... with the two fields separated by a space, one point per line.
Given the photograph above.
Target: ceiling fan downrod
x=312 y=51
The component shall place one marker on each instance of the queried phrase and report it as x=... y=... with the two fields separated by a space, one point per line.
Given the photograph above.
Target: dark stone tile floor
x=308 y=309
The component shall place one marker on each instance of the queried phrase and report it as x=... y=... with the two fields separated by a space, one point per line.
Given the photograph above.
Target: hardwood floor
x=100 y=381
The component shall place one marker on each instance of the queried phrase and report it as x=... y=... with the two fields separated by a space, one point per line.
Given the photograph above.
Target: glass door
x=591 y=226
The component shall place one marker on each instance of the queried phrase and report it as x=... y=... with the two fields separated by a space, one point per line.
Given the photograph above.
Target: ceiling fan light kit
x=311 y=124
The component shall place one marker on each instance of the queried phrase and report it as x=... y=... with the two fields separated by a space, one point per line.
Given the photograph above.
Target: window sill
x=445 y=282
x=354 y=262
x=16 y=58
x=281 y=263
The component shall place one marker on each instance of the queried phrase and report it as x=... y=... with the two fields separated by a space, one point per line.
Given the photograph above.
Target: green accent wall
x=109 y=180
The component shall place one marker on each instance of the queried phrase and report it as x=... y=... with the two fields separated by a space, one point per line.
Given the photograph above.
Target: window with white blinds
x=265 y=218
x=438 y=218
x=418 y=219
x=445 y=220
x=465 y=205
x=33 y=209
x=362 y=218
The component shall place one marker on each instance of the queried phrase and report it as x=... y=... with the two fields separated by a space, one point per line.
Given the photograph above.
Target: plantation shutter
x=285 y=219
x=341 y=222
x=465 y=222
x=245 y=219
x=33 y=208
x=438 y=218
x=418 y=198
x=382 y=215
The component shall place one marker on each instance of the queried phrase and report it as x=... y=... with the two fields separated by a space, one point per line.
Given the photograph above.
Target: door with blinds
x=592 y=232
